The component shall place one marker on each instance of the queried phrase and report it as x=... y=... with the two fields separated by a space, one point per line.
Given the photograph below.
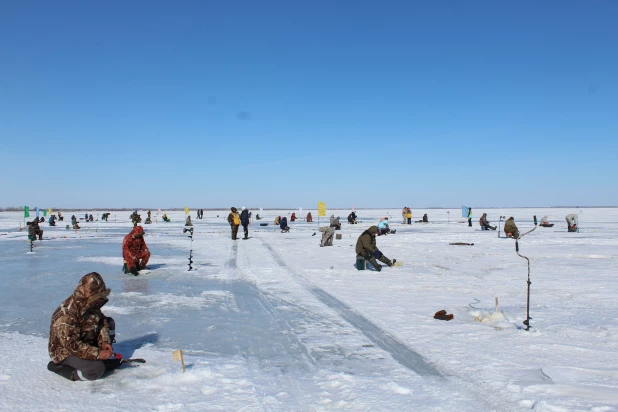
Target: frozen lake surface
x=276 y=323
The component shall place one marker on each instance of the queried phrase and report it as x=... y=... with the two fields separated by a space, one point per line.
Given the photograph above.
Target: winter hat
x=244 y=208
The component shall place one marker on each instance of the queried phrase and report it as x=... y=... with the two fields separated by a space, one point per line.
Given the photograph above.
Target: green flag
x=44 y=212
x=26 y=211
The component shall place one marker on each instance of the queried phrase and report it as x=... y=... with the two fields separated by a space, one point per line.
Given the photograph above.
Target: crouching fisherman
x=510 y=228
x=34 y=230
x=81 y=336
x=571 y=220
x=366 y=248
x=134 y=250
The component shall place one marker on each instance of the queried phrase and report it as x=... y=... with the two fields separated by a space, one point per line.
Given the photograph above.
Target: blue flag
x=464 y=211
x=37 y=212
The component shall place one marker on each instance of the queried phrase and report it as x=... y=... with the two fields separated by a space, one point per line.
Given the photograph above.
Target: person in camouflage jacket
x=34 y=230
x=80 y=336
x=367 y=248
x=134 y=250
x=510 y=228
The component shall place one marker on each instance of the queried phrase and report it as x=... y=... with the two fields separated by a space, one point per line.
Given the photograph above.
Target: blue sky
x=282 y=104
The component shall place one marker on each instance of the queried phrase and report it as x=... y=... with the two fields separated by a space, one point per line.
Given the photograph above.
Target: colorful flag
x=44 y=212
x=464 y=211
x=186 y=210
x=49 y=211
x=321 y=209
x=26 y=211
x=37 y=212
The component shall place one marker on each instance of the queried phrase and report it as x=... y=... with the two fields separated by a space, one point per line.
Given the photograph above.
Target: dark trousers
x=234 y=231
x=409 y=220
x=85 y=369
x=246 y=229
x=91 y=369
x=369 y=256
x=470 y=221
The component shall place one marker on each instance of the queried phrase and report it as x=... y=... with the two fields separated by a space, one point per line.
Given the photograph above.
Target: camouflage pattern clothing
x=134 y=249
x=511 y=228
x=34 y=230
x=78 y=327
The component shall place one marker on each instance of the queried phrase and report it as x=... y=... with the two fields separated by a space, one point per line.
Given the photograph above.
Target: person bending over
x=367 y=248
x=134 y=250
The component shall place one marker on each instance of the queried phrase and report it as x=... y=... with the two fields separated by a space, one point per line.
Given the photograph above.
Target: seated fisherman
x=352 y=218
x=366 y=247
x=80 y=335
x=383 y=227
x=485 y=224
x=334 y=222
x=283 y=225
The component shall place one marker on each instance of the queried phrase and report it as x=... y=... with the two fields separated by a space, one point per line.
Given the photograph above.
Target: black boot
x=63 y=370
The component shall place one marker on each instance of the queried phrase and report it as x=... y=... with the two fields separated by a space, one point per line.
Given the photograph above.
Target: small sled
x=547 y=225
x=263 y=224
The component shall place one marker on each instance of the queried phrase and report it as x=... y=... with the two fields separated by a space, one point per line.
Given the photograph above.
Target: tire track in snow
x=297 y=358
x=400 y=352
x=406 y=356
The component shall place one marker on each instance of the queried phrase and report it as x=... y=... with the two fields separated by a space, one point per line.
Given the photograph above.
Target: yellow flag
x=321 y=209
x=49 y=211
x=177 y=356
x=186 y=210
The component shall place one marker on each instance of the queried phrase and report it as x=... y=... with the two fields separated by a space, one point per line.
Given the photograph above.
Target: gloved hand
x=377 y=254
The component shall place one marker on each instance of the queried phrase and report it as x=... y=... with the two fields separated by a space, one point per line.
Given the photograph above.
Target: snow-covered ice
x=276 y=323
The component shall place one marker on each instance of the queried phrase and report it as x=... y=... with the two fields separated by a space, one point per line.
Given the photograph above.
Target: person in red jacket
x=134 y=250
